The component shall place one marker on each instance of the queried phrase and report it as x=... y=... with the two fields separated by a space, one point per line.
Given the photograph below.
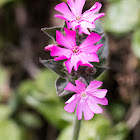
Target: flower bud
x=49 y=47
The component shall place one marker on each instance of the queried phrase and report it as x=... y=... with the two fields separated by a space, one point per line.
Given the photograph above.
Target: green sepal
x=56 y=66
x=51 y=32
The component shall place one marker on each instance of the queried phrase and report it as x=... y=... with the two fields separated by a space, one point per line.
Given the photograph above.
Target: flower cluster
x=79 y=53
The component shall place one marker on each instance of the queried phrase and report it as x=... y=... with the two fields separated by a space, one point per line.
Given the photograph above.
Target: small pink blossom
x=75 y=19
x=76 y=55
x=86 y=99
x=49 y=47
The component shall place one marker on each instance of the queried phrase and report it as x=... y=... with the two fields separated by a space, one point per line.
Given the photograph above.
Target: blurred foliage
x=41 y=95
x=122 y=16
x=3 y=2
x=136 y=43
x=8 y=127
x=10 y=130
x=98 y=128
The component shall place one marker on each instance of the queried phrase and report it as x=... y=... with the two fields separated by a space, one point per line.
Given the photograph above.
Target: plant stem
x=76 y=129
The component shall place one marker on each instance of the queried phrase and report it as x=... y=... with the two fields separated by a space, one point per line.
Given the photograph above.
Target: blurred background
x=29 y=106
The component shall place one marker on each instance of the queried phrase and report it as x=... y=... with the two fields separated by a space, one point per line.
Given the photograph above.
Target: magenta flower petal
x=79 y=110
x=84 y=58
x=96 y=7
x=102 y=101
x=91 y=49
x=79 y=6
x=63 y=8
x=80 y=85
x=49 y=47
x=90 y=41
x=72 y=25
x=86 y=24
x=83 y=30
x=70 y=37
x=93 y=105
x=93 y=57
x=90 y=15
x=70 y=107
x=72 y=6
x=60 y=16
x=70 y=99
x=69 y=65
x=93 y=86
x=62 y=40
x=88 y=114
x=74 y=60
x=60 y=58
x=71 y=87
x=57 y=51
x=100 y=93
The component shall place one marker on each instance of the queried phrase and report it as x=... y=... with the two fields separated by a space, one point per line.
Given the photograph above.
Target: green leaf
x=102 y=52
x=122 y=16
x=3 y=77
x=51 y=32
x=45 y=83
x=119 y=132
x=56 y=66
x=117 y=111
x=60 y=85
x=41 y=96
x=9 y=130
x=52 y=110
x=136 y=43
x=43 y=87
x=5 y=112
x=30 y=120
x=98 y=27
x=3 y=2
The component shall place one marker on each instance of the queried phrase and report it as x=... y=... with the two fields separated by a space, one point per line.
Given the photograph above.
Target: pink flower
x=76 y=55
x=75 y=19
x=86 y=98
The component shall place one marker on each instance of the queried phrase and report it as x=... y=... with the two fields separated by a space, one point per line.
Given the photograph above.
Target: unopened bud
x=82 y=80
x=90 y=70
x=49 y=47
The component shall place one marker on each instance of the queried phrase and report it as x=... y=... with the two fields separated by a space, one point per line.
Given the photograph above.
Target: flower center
x=75 y=49
x=78 y=18
x=83 y=95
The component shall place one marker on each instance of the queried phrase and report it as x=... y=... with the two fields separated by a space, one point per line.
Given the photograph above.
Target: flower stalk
x=76 y=128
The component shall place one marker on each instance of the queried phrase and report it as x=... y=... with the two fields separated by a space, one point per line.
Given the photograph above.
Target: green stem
x=76 y=130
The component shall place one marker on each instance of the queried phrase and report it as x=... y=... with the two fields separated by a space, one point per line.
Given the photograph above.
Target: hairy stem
x=76 y=129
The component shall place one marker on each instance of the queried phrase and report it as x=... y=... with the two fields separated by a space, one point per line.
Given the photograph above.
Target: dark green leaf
x=56 y=66
x=60 y=85
x=51 y=32
x=103 y=51
x=98 y=28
